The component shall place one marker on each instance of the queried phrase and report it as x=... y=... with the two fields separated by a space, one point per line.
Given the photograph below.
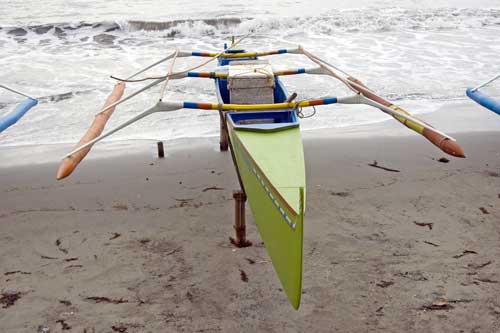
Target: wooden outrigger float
x=69 y=164
x=259 y=123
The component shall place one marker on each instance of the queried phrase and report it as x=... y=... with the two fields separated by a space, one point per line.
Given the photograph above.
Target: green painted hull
x=271 y=166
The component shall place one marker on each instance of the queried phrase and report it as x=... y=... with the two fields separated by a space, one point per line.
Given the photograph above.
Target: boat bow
x=271 y=167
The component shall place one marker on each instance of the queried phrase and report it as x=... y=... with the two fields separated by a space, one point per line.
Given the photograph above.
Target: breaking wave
x=344 y=21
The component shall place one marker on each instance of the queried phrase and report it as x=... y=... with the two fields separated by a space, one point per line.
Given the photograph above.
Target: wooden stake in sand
x=161 y=151
x=239 y=220
x=70 y=163
x=224 y=135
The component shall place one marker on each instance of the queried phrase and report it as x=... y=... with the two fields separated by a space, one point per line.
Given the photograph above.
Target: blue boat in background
x=491 y=103
x=12 y=117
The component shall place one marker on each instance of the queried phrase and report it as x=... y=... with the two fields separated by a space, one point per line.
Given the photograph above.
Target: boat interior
x=247 y=91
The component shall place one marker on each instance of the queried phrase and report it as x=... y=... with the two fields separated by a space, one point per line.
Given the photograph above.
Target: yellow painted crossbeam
x=247 y=107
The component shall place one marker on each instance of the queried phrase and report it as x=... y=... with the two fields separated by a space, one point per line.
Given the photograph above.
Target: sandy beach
x=133 y=243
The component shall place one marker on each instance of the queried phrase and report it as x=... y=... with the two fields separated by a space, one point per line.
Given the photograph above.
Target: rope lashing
x=261 y=70
x=301 y=114
x=170 y=70
x=158 y=81
x=189 y=69
x=298 y=110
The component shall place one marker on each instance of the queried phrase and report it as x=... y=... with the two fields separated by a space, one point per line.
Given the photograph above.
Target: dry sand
x=136 y=244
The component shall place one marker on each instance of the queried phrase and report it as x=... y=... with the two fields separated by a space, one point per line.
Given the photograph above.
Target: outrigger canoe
x=491 y=103
x=261 y=121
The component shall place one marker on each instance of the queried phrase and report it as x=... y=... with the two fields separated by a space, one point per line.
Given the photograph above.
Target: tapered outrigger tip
x=453 y=148
x=448 y=145
x=66 y=168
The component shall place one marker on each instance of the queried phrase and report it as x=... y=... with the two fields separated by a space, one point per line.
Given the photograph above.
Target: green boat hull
x=271 y=167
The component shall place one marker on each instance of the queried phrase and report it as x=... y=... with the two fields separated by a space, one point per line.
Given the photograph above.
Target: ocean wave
x=342 y=21
x=59 y=29
x=218 y=23
x=55 y=98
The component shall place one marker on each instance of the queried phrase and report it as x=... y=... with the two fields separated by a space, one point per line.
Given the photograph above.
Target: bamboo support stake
x=239 y=223
x=224 y=136
x=292 y=97
x=161 y=151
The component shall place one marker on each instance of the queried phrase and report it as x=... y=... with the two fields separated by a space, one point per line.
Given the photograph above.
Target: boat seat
x=263 y=121
x=251 y=82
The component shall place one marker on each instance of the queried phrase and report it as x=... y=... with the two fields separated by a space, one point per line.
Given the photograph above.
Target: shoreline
x=473 y=119
x=15 y=156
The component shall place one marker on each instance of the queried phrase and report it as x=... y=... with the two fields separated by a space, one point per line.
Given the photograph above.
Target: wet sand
x=137 y=244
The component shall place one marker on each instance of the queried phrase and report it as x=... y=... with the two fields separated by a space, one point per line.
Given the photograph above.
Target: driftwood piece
x=424 y=224
x=375 y=165
x=243 y=275
x=464 y=253
x=100 y=299
x=479 y=266
x=9 y=298
x=484 y=210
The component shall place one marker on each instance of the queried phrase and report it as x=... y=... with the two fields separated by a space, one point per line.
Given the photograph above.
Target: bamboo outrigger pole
x=15 y=91
x=444 y=142
x=70 y=162
x=486 y=83
x=174 y=106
